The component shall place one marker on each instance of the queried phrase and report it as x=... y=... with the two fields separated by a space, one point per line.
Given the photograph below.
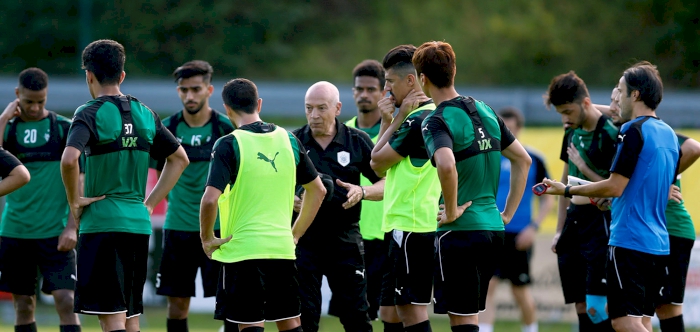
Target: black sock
x=70 y=328
x=26 y=328
x=296 y=329
x=423 y=326
x=584 y=323
x=253 y=329
x=673 y=324
x=392 y=327
x=177 y=325
x=465 y=328
x=230 y=326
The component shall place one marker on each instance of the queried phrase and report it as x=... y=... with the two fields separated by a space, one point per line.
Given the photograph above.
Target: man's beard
x=366 y=110
x=196 y=110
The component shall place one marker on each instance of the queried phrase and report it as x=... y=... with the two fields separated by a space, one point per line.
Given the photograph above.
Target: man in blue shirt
x=520 y=233
x=642 y=172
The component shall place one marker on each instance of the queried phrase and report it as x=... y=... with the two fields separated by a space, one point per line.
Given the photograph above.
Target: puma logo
x=621 y=137
x=361 y=273
x=398 y=291
x=264 y=158
x=425 y=128
x=410 y=122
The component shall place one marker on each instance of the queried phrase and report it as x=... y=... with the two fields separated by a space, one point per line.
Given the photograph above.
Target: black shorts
x=258 y=290
x=463 y=269
x=676 y=265
x=376 y=253
x=409 y=278
x=182 y=257
x=635 y=281
x=514 y=264
x=581 y=252
x=112 y=270
x=20 y=258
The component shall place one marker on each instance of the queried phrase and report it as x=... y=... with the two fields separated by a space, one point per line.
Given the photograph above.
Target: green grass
x=154 y=320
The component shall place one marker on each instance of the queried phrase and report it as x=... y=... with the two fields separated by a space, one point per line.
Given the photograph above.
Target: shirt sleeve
x=367 y=145
x=221 y=165
x=564 y=154
x=164 y=143
x=629 y=146
x=403 y=140
x=9 y=162
x=306 y=172
x=540 y=168
x=507 y=138
x=436 y=135
x=79 y=135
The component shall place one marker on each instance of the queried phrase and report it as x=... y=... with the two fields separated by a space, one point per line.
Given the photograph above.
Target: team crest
x=343 y=158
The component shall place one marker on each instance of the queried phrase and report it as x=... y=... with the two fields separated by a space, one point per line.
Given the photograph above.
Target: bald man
x=333 y=246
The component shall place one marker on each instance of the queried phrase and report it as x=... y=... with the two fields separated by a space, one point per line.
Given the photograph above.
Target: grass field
x=154 y=321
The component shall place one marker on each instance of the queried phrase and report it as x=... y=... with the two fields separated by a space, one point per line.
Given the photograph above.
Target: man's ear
x=259 y=104
x=339 y=106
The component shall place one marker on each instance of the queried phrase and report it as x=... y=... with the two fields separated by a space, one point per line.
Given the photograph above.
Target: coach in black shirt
x=333 y=246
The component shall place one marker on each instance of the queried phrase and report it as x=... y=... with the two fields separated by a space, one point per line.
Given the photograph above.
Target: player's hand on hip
x=68 y=239
x=12 y=110
x=555 y=240
x=524 y=239
x=443 y=218
x=212 y=245
x=555 y=187
x=77 y=207
x=354 y=193
x=506 y=219
x=674 y=194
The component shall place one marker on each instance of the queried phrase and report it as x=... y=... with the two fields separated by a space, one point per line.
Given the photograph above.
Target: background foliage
x=516 y=42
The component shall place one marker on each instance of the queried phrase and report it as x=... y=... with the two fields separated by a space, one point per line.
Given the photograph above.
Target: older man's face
x=321 y=110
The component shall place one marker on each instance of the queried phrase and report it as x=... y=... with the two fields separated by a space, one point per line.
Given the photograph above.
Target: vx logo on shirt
x=264 y=158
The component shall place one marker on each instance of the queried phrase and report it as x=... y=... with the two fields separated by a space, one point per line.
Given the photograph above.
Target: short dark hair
x=194 y=68
x=645 y=78
x=33 y=79
x=105 y=59
x=512 y=113
x=241 y=95
x=371 y=68
x=565 y=89
x=436 y=60
x=400 y=59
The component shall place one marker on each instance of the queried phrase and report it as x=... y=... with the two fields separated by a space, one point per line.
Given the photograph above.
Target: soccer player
x=117 y=134
x=36 y=229
x=642 y=172
x=681 y=235
x=333 y=245
x=411 y=194
x=520 y=234
x=368 y=82
x=582 y=233
x=197 y=127
x=251 y=181
x=464 y=137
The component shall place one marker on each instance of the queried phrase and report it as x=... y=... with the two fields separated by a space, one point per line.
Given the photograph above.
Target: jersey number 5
x=481 y=131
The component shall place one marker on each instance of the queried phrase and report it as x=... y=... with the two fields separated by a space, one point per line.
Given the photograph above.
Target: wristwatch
x=535 y=225
x=566 y=192
x=363 y=192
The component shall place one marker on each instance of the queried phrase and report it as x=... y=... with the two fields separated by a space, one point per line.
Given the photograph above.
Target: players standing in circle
x=464 y=136
x=520 y=234
x=681 y=232
x=368 y=82
x=583 y=230
x=333 y=245
x=36 y=229
x=117 y=134
x=644 y=168
x=411 y=194
x=251 y=183
x=197 y=127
